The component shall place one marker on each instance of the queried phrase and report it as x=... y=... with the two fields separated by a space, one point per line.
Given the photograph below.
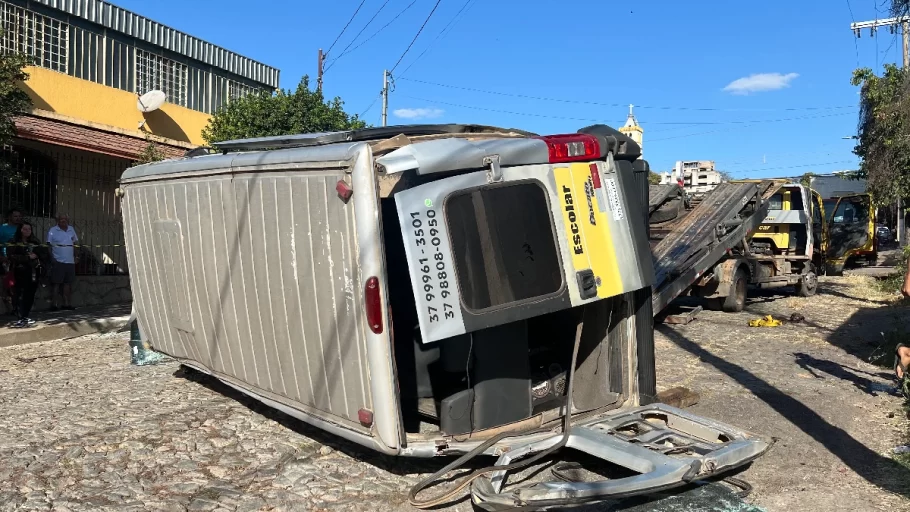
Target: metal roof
x=116 y=18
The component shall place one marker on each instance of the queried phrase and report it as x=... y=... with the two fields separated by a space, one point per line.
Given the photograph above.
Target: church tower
x=633 y=130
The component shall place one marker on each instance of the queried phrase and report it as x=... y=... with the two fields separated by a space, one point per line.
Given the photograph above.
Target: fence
x=44 y=181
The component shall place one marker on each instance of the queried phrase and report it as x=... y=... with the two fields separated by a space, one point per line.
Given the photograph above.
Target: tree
x=13 y=100
x=150 y=154
x=725 y=176
x=653 y=178
x=884 y=132
x=806 y=179
x=283 y=113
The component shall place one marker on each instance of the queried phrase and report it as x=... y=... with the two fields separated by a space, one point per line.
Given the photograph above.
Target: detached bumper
x=667 y=447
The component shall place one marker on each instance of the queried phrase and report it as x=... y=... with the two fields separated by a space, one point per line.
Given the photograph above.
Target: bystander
x=62 y=238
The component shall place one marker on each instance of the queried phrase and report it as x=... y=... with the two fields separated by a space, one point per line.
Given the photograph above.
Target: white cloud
x=418 y=113
x=760 y=82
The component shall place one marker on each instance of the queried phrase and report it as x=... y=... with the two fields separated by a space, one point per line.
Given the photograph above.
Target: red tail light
x=373 y=301
x=595 y=176
x=572 y=147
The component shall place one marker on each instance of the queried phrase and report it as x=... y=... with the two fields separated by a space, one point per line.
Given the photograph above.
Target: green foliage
x=884 y=132
x=13 y=102
x=653 y=178
x=283 y=113
x=150 y=154
x=806 y=179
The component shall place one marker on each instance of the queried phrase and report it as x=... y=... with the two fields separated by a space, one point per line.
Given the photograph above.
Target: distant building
x=633 y=130
x=697 y=176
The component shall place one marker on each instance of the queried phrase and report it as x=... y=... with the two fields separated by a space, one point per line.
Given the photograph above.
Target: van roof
x=362 y=135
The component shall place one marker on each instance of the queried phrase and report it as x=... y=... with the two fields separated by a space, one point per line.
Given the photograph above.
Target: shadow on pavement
x=848 y=373
x=876 y=469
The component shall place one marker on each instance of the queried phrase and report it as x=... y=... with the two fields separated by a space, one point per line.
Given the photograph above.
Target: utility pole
x=385 y=97
x=892 y=23
x=319 y=70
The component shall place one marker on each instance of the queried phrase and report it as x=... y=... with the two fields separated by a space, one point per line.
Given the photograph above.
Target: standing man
x=7 y=232
x=62 y=239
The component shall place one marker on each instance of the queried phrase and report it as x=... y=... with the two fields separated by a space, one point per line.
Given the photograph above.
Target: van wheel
x=808 y=285
x=736 y=301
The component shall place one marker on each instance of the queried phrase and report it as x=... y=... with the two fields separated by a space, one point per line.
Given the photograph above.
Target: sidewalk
x=65 y=324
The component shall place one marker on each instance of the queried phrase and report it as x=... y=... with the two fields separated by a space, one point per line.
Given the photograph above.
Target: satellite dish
x=151 y=101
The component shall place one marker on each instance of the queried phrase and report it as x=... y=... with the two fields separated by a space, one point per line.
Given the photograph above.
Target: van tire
x=666 y=212
x=808 y=285
x=736 y=301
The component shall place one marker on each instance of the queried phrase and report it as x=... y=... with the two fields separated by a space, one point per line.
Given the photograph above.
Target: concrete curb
x=63 y=330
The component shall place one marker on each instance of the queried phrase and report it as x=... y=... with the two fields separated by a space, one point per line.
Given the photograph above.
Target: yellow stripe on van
x=587 y=228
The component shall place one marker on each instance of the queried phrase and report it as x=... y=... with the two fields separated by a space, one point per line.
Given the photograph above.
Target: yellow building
x=92 y=60
x=633 y=130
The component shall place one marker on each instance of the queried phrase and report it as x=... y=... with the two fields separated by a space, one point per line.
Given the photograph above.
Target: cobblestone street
x=85 y=430
x=81 y=429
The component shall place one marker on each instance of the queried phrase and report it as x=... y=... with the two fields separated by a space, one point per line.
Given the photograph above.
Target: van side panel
x=255 y=276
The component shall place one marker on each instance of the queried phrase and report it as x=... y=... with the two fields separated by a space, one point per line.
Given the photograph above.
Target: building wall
x=85 y=100
x=50 y=180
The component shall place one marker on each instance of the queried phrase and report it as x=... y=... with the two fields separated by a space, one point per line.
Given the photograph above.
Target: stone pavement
x=65 y=324
x=82 y=429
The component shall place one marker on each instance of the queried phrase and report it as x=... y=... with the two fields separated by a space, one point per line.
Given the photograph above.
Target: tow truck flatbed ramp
x=688 y=247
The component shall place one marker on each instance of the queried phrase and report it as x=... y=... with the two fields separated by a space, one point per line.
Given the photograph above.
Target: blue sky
x=761 y=88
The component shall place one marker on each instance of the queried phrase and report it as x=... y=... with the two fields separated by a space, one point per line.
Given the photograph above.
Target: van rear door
x=494 y=246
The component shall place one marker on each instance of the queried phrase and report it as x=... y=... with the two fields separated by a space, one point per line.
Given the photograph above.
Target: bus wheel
x=808 y=285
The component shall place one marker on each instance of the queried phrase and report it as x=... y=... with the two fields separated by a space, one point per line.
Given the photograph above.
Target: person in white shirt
x=62 y=239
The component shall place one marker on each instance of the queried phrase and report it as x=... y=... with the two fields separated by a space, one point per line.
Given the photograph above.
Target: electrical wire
x=855 y=44
x=583 y=102
x=760 y=169
x=346 y=25
x=406 y=50
x=687 y=123
x=367 y=40
x=371 y=105
x=442 y=33
x=343 y=51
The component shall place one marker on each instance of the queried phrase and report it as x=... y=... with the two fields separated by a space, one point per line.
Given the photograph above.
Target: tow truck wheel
x=808 y=285
x=736 y=301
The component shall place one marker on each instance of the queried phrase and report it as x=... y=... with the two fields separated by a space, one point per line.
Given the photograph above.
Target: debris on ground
x=767 y=321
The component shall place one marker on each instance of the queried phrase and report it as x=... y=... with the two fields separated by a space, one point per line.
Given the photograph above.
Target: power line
x=346 y=25
x=855 y=44
x=442 y=33
x=406 y=50
x=528 y=114
x=792 y=167
x=367 y=40
x=749 y=124
x=343 y=51
x=371 y=105
x=583 y=102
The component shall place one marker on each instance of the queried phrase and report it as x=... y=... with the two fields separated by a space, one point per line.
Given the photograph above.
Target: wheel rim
x=811 y=281
x=741 y=291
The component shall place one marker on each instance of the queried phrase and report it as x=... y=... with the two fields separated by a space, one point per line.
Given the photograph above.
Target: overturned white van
x=425 y=291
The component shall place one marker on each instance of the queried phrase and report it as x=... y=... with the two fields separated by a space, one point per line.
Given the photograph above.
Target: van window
x=502 y=256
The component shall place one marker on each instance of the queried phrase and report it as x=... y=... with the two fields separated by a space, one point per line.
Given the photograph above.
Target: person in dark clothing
x=27 y=258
